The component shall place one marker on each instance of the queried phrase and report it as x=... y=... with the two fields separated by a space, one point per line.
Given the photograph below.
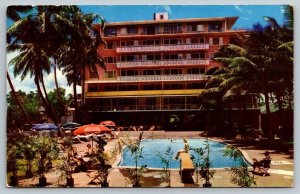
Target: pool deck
x=281 y=171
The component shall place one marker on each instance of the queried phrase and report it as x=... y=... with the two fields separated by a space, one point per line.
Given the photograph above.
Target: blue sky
x=248 y=16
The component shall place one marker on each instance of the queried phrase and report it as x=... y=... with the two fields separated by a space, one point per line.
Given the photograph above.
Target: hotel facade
x=155 y=68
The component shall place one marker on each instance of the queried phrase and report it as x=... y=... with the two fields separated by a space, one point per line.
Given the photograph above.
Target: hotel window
x=149 y=30
x=171 y=56
x=110 y=88
x=215 y=27
x=129 y=58
x=172 y=29
x=151 y=72
x=110 y=74
x=173 y=41
x=202 y=40
x=128 y=43
x=110 y=32
x=200 y=55
x=152 y=87
x=176 y=71
x=93 y=73
x=216 y=41
x=110 y=45
x=194 y=40
x=194 y=71
x=153 y=57
x=151 y=42
x=132 y=30
x=110 y=59
x=191 y=28
x=93 y=88
x=129 y=73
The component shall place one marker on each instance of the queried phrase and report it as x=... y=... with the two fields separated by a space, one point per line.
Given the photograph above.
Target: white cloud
x=238 y=8
x=167 y=8
x=28 y=84
x=245 y=18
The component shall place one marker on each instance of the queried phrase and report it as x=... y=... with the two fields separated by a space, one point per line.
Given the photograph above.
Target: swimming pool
x=152 y=147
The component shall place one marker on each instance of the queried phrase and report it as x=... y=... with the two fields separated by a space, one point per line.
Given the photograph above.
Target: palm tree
x=80 y=49
x=36 y=47
x=13 y=14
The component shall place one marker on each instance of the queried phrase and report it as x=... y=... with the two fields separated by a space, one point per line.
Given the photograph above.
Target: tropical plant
x=165 y=159
x=136 y=150
x=66 y=167
x=203 y=164
x=13 y=153
x=46 y=151
x=28 y=152
x=239 y=174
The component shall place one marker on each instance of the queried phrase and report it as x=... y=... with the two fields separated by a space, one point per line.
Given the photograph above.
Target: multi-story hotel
x=155 y=66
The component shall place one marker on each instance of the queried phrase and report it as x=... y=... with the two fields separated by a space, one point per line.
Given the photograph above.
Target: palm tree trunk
x=75 y=97
x=268 y=129
x=52 y=112
x=83 y=93
x=59 y=98
x=46 y=105
x=17 y=99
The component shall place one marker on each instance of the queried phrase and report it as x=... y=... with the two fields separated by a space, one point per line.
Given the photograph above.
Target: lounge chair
x=263 y=168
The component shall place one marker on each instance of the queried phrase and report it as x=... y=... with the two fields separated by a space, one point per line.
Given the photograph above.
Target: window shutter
x=144 y=57
x=123 y=31
x=136 y=43
x=210 y=41
x=188 y=56
x=188 y=41
x=200 y=28
x=221 y=40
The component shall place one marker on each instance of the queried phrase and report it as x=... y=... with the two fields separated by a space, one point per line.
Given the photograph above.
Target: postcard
x=150 y=96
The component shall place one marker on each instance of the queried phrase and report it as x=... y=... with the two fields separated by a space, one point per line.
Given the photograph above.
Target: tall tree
x=80 y=50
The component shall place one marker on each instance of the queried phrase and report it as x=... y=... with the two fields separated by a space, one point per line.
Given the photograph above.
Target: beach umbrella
x=44 y=126
x=91 y=129
x=70 y=125
x=108 y=123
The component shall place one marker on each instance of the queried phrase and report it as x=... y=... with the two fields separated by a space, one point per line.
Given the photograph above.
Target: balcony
x=159 y=48
x=180 y=77
x=166 y=63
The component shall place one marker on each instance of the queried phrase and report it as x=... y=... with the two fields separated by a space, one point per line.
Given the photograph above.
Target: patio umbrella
x=91 y=129
x=108 y=123
x=70 y=125
x=44 y=126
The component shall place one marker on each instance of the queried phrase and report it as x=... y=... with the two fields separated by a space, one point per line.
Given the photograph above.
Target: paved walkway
x=281 y=172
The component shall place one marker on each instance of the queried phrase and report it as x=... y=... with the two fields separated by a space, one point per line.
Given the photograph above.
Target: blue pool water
x=152 y=147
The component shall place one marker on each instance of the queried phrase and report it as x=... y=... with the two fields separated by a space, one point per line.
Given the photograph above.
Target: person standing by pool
x=186 y=145
x=185 y=148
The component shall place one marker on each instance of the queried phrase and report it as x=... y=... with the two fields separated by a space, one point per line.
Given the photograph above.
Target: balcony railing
x=157 y=48
x=155 y=63
x=144 y=107
x=180 y=77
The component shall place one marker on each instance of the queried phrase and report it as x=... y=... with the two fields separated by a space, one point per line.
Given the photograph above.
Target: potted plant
x=28 y=153
x=166 y=159
x=65 y=168
x=101 y=159
x=202 y=162
x=136 y=151
x=13 y=154
x=239 y=174
x=46 y=151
